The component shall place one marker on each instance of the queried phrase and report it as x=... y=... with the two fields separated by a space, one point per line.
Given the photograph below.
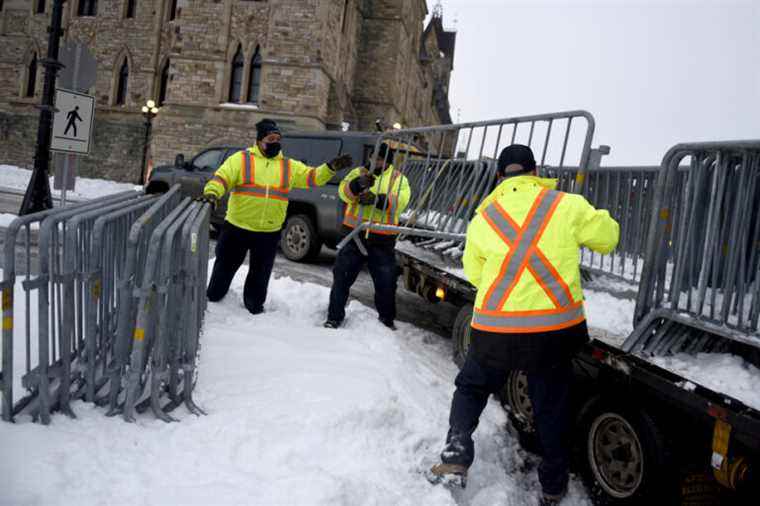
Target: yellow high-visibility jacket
x=523 y=255
x=391 y=183
x=259 y=187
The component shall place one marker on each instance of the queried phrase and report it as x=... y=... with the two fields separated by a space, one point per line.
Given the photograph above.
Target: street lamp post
x=149 y=111
x=37 y=196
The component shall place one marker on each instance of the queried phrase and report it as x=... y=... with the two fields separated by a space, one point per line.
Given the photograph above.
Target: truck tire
x=460 y=334
x=300 y=241
x=515 y=401
x=623 y=456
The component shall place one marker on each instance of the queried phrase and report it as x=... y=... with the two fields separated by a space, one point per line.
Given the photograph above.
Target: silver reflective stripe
x=247 y=160
x=286 y=176
x=549 y=281
x=507 y=321
x=501 y=222
x=260 y=192
x=520 y=250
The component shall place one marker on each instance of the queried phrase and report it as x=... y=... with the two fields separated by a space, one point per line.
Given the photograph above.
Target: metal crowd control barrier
x=627 y=192
x=23 y=268
x=703 y=250
x=451 y=168
x=92 y=264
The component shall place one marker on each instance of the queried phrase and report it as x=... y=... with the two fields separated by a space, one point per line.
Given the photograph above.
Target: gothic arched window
x=254 y=78
x=87 y=8
x=130 y=11
x=121 y=85
x=31 y=76
x=236 y=76
x=164 y=84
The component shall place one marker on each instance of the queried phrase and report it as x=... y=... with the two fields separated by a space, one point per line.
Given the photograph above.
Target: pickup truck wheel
x=300 y=241
x=461 y=334
x=515 y=401
x=623 y=456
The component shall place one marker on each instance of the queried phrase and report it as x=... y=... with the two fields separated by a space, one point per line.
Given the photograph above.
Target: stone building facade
x=217 y=67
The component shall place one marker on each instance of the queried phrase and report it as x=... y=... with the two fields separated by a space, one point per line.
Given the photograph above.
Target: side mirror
x=179 y=161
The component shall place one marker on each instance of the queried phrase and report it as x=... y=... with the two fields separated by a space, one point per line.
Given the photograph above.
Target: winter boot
x=448 y=474
x=388 y=323
x=551 y=499
x=331 y=324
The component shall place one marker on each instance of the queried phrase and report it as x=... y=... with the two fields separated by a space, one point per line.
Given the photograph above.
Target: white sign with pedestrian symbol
x=72 y=125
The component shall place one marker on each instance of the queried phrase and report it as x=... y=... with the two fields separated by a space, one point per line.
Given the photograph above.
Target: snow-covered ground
x=298 y=414
x=18 y=178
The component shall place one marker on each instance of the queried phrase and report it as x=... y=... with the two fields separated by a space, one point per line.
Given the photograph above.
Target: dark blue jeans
x=381 y=261
x=549 y=392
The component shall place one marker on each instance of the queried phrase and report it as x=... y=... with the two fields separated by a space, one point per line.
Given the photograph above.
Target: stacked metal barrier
x=703 y=251
x=451 y=168
x=627 y=192
x=83 y=264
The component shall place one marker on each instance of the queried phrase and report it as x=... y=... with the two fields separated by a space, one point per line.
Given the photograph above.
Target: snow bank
x=720 y=372
x=298 y=415
x=15 y=177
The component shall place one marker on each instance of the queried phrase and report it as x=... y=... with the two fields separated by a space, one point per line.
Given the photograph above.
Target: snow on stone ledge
x=242 y=107
x=18 y=178
x=720 y=372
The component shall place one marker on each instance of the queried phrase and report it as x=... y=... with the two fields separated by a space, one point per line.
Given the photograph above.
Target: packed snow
x=720 y=372
x=18 y=178
x=298 y=415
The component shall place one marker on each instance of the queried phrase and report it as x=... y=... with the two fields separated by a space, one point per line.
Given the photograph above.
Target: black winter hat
x=516 y=154
x=266 y=127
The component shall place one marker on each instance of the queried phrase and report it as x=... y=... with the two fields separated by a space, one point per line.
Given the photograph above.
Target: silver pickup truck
x=314 y=216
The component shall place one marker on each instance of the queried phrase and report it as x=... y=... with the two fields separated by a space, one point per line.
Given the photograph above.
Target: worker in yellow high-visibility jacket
x=378 y=198
x=523 y=256
x=259 y=180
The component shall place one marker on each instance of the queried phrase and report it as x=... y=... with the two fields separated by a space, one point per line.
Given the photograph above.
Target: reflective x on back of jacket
x=525 y=255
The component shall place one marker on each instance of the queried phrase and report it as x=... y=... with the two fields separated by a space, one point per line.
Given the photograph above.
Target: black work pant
x=549 y=392
x=231 y=247
x=381 y=261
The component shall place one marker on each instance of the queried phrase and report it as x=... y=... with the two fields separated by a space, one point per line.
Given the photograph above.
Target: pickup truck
x=314 y=216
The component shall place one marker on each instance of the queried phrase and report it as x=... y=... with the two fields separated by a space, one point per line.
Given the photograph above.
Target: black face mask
x=272 y=149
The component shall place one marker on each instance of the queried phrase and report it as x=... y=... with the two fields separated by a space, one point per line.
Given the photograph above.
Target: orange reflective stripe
x=260 y=192
x=311 y=179
x=220 y=179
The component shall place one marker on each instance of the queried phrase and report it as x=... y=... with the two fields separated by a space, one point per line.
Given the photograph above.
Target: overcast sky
x=652 y=72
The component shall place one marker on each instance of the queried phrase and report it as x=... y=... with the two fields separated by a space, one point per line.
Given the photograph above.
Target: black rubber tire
x=515 y=401
x=644 y=448
x=300 y=241
x=460 y=334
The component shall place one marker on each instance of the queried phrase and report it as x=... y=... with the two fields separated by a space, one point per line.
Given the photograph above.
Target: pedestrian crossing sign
x=72 y=124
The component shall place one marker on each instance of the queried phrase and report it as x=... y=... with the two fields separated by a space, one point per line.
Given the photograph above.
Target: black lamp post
x=149 y=111
x=37 y=196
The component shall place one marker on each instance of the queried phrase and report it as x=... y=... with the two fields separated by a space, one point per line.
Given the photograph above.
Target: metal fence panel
x=31 y=275
x=451 y=168
x=702 y=255
x=95 y=261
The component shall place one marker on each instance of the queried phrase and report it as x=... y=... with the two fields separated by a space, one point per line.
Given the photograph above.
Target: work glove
x=209 y=198
x=380 y=204
x=360 y=184
x=341 y=162
x=367 y=198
